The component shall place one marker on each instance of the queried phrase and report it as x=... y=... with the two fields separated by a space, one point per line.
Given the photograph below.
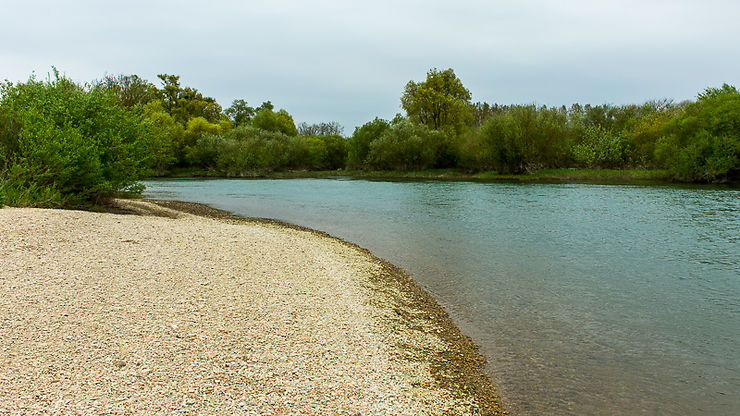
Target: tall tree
x=240 y=112
x=184 y=103
x=441 y=102
x=130 y=89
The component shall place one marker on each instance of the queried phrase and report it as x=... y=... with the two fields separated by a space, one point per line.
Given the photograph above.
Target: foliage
x=601 y=148
x=282 y=122
x=643 y=132
x=326 y=152
x=358 y=145
x=519 y=139
x=184 y=103
x=247 y=149
x=407 y=146
x=168 y=137
x=240 y=112
x=63 y=144
x=481 y=111
x=130 y=90
x=441 y=102
x=195 y=129
x=703 y=142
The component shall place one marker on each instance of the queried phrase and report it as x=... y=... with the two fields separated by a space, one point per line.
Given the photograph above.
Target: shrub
x=358 y=146
x=703 y=143
x=407 y=146
x=65 y=144
x=519 y=139
x=601 y=148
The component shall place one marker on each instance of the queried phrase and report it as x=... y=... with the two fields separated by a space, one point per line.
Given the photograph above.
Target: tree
x=268 y=120
x=601 y=148
x=184 y=103
x=519 y=139
x=240 y=112
x=320 y=129
x=359 y=143
x=407 y=146
x=167 y=137
x=130 y=90
x=703 y=143
x=441 y=102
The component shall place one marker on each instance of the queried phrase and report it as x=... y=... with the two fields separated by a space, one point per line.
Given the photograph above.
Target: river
x=586 y=299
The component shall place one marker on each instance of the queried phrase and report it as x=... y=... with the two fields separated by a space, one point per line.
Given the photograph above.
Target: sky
x=348 y=61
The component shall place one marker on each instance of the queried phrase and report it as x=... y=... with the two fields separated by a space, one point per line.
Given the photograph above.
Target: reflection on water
x=587 y=299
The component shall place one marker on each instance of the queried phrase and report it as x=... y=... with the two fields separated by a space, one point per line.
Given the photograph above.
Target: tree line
x=63 y=143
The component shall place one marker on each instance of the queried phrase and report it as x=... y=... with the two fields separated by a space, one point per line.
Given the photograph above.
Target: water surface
x=586 y=299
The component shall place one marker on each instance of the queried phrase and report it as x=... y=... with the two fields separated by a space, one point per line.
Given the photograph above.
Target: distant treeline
x=62 y=143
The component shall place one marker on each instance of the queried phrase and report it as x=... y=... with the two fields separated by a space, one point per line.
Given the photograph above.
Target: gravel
x=164 y=312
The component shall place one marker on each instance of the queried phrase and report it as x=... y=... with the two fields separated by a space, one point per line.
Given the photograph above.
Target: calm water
x=586 y=299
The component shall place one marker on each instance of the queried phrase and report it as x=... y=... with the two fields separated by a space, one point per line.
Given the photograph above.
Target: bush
x=63 y=144
x=281 y=122
x=247 y=151
x=601 y=148
x=358 y=146
x=702 y=144
x=408 y=146
x=520 y=139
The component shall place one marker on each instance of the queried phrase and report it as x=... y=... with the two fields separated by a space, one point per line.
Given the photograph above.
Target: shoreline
x=43 y=249
x=462 y=368
x=590 y=176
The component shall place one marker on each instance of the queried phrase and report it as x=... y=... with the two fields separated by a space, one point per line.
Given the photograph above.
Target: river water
x=586 y=299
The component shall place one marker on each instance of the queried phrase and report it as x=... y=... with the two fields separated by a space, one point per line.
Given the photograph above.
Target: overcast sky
x=348 y=61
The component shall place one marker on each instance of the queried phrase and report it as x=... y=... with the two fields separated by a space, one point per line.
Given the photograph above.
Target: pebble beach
x=174 y=308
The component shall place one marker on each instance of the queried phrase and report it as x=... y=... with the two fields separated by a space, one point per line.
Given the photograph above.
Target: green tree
x=248 y=151
x=358 y=145
x=441 y=102
x=196 y=128
x=267 y=119
x=240 y=112
x=519 y=139
x=703 y=142
x=168 y=137
x=407 y=146
x=130 y=90
x=184 y=103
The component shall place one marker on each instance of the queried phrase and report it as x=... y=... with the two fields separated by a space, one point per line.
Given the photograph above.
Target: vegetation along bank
x=67 y=144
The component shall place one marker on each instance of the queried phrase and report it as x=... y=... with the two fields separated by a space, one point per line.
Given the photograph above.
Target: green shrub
x=702 y=144
x=63 y=144
x=408 y=146
x=358 y=145
x=601 y=148
x=519 y=139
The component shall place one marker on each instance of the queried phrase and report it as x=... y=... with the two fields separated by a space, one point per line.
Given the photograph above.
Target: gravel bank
x=166 y=312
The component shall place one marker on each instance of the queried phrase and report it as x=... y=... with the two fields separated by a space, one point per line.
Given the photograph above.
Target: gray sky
x=348 y=61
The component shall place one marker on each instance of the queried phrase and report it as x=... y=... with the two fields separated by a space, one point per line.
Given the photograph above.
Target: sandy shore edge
x=461 y=369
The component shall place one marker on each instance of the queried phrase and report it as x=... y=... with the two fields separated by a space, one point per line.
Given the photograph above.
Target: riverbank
x=598 y=176
x=167 y=312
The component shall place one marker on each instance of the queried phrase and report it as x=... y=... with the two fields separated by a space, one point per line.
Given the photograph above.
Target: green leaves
x=268 y=120
x=703 y=143
x=65 y=144
x=441 y=102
